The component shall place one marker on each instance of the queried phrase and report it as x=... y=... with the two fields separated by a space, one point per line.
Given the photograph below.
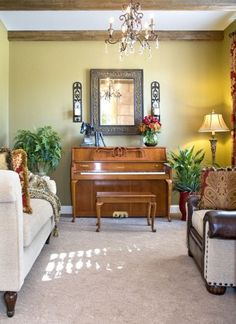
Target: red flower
x=150 y=124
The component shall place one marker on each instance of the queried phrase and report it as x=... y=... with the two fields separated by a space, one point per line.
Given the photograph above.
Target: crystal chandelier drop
x=110 y=91
x=132 y=31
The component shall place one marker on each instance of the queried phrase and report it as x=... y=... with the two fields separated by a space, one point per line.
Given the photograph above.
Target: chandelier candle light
x=110 y=90
x=213 y=123
x=132 y=31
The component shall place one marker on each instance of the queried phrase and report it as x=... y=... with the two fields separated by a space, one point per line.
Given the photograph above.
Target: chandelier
x=110 y=91
x=132 y=31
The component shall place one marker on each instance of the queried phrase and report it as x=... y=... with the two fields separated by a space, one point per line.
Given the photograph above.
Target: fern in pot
x=187 y=166
x=43 y=148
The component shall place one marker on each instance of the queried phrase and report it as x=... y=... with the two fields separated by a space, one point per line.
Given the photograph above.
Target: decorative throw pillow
x=19 y=161
x=218 y=189
x=5 y=159
x=37 y=182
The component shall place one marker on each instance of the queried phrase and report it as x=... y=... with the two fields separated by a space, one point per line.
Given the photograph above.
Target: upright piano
x=128 y=169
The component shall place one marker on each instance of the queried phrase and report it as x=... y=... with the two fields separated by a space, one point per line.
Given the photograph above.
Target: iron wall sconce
x=77 y=102
x=155 y=97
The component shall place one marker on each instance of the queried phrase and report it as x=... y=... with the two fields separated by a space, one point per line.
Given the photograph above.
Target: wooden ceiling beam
x=92 y=35
x=116 y=5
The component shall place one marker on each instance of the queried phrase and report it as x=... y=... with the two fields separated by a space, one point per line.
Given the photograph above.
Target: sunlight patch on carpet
x=66 y=263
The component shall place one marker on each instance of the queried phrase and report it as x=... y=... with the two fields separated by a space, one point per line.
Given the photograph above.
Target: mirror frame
x=95 y=76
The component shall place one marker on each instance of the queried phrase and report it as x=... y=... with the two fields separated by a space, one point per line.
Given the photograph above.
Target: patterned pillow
x=218 y=189
x=19 y=161
x=37 y=182
x=5 y=159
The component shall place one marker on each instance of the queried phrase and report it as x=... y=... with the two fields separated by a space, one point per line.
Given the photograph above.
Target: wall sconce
x=77 y=102
x=155 y=97
x=213 y=123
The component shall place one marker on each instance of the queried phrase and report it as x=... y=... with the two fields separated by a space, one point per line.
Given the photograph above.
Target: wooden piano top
x=119 y=163
x=115 y=154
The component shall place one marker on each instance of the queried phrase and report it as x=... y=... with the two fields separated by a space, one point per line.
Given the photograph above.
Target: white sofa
x=22 y=236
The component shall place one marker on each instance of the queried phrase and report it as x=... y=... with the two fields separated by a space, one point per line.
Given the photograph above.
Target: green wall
x=4 y=87
x=190 y=76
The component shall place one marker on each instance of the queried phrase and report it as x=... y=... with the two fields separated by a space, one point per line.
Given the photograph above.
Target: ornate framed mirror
x=116 y=101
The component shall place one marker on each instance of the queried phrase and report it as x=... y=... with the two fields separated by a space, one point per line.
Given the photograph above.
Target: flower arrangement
x=148 y=128
x=150 y=124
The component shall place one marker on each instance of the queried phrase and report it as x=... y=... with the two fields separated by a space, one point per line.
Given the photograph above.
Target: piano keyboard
x=111 y=173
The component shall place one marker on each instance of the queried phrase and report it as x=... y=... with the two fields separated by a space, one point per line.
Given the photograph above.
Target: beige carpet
x=124 y=274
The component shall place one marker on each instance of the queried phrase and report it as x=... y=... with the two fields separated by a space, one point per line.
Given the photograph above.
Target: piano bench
x=110 y=197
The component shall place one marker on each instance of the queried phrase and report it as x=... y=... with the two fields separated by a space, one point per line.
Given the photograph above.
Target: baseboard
x=174 y=209
x=66 y=209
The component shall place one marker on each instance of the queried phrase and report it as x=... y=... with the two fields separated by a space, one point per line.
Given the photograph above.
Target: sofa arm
x=51 y=184
x=192 y=204
x=222 y=224
x=11 y=232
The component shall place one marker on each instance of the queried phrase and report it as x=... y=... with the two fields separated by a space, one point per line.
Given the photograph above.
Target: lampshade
x=213 y=123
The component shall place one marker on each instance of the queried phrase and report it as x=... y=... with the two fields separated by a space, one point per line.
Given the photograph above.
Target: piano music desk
x=110 y=197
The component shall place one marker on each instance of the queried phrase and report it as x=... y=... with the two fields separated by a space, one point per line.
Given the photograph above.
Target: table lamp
x=213 y=123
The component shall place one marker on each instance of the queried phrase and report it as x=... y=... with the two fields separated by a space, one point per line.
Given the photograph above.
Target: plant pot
x=183 y=197
x=42 y=169
x=150 y=139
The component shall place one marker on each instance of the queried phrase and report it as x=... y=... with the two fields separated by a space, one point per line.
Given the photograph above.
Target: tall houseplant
x=43 y=148
x=187 y=166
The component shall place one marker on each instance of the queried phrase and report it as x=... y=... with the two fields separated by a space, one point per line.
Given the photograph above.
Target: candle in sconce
x=156 y=108
x=77 y=108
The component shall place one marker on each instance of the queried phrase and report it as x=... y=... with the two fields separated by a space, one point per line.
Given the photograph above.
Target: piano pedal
x=120 y=214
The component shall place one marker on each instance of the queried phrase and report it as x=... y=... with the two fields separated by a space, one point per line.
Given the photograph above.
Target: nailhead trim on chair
x=206 y=253
x=214 y=283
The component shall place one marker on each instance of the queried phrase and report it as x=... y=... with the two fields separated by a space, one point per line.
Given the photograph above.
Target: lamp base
x=213 y=142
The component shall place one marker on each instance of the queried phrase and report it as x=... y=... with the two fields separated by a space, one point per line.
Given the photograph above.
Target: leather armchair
x=211 y=241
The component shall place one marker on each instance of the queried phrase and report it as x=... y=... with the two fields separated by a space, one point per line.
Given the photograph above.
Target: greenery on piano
x=187 y=166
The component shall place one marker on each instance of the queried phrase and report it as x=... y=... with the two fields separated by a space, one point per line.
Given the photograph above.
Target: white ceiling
x=98 y=20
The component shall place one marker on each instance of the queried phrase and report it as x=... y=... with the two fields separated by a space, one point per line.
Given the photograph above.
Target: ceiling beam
x=92 y=35
x=116 y=5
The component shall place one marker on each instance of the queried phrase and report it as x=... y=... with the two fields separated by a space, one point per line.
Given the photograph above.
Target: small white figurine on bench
x=111 y=197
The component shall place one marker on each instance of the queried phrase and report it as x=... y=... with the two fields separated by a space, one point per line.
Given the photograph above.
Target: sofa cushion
x=42 y=212
x=19 y=161
x=218 y=189
x=5 y=159
x=197 y=220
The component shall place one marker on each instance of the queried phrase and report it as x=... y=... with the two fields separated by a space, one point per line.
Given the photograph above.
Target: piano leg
x=98 y=210
x=169 y=185
x=154 y=205
x=149 y=213
x=73 y=198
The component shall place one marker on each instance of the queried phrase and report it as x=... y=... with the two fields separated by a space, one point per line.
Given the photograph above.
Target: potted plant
x=187 y=166
x=43 y=148
x=149 y=128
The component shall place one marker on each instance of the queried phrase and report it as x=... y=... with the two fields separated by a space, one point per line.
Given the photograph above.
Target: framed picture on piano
x=116 y=98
